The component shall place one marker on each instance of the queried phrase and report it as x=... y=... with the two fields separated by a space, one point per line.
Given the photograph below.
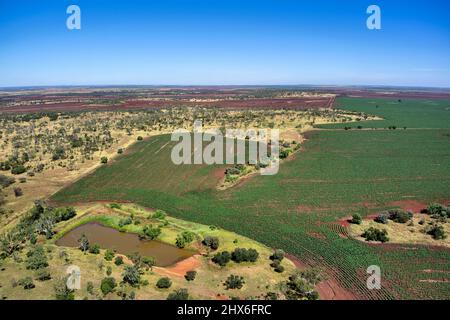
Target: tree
x=18 y=192
x=107 y=285
x=222 y=258
x=151 y=233
x=180 y=294
x=373 y=234
x=131 y=275
x=298 y=287
x=356 y=219
x=234 y=282
x=211 y=242
x=190 y=275
x=277 y=255
x=84 y=243
x=184 y=239
x=118 y=261
x=164 y=283
x=399 y=216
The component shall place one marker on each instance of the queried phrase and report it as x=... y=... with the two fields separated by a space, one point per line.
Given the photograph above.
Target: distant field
x=407 y=113
x=337 y=173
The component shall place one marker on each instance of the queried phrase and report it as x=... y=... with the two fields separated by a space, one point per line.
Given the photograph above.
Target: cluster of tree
x=238 y=255
x=300 y=285
x=276 y=258
x=39 y=220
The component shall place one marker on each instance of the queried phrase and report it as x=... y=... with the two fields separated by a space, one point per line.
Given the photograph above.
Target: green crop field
x=404 y=113
x=337 y=173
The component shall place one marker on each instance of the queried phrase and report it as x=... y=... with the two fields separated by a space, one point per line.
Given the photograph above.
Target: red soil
x=180 y=269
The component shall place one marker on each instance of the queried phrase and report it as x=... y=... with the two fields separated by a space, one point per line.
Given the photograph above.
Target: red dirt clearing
x=181 y=267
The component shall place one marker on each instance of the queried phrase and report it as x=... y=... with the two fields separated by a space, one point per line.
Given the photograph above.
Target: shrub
x=120 y=151
x=131 y=275
x=222 y=258
x=140 y=138
x=36 y=258
x=18 y=192
x=6 y=181
x=211 y=242
x=115 y=206
x=437 y=211
x=356 y=219
x=399 y=216
x=244 y=255
x=125 y=221
x=109 y=255
x=373 y=234
x=108 y=270
x=43 y=275
x=26 y=283
x=279 y=268
x=94 y=249
x=159 y=214
x=180 y=294
x=61 y=290
x=90 y=287
x=382 y=218
x=234 y=282
x=104 y=160
x=164 y=283
x=108 y=284
x=148 y=262
x=18 y=169
x=190 y=275
x=118 y=261
x=437 y=232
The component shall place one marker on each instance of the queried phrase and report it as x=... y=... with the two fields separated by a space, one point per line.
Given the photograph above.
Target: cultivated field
x=337 y=173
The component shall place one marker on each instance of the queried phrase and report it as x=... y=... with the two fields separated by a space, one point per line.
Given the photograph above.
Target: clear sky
x=183 y=42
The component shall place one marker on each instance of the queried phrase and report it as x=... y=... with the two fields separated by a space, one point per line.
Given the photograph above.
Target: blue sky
x=184 y=42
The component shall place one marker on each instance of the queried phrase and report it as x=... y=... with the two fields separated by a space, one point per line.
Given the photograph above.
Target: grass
x=336 y=174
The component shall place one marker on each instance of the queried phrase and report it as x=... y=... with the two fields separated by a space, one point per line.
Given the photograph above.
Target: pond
x=124 y=243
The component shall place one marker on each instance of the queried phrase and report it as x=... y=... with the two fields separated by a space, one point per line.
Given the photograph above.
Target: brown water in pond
x=124 y=243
